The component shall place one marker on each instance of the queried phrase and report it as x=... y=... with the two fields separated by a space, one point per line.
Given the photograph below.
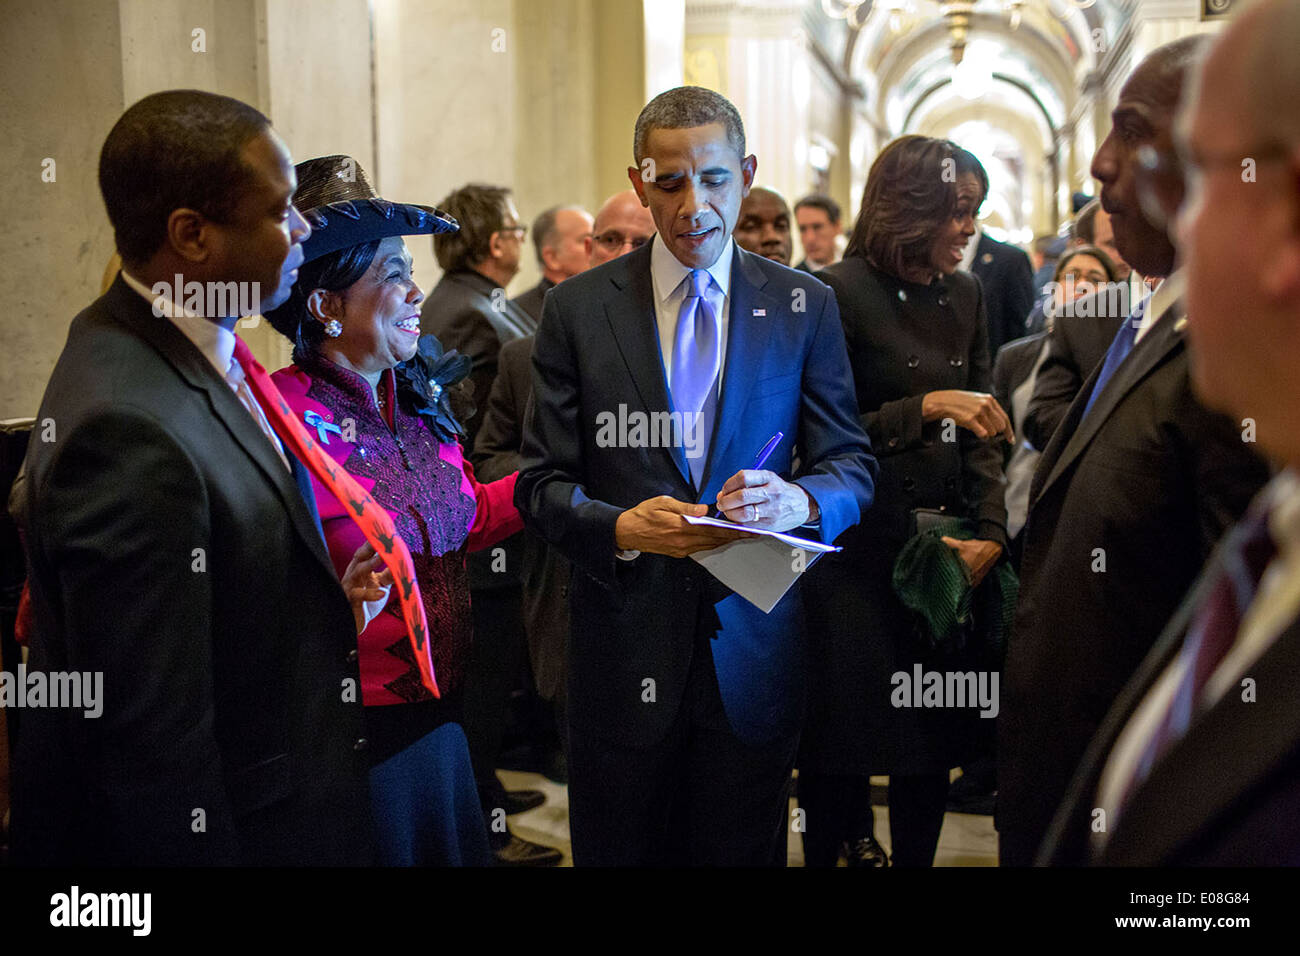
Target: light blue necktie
x=1119 y=349
x=697 y=358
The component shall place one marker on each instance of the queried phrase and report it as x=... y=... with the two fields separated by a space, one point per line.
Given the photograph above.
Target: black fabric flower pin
x=424 y=384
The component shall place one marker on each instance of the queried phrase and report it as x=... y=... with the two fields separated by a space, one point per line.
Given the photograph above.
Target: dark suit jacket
x=1008 y=280
x=223 y=681
x=470 y=313
x=1012 y=365
x=531 y=301
x=1077 y=344
x=598 y=348
x=544 y=572
x=1227 y=794
x=1147 y=483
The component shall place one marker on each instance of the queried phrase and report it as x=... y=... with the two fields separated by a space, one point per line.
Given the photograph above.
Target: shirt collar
x=1169 y=291
x=668 y=272
x=1284 y=514
x=216 y=342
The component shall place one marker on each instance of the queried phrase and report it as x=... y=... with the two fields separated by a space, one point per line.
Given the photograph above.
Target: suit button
x=352 y=656
x=902 y=296
x=908 y=484
x=893 y=443
x=943 y=298
x=957 y=362
x=950 y=483
x=361 y=744
x=913 y=361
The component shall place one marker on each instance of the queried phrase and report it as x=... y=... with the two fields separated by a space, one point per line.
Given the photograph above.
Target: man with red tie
x=1137 y=485
x=173 y=541
x=1197 y=763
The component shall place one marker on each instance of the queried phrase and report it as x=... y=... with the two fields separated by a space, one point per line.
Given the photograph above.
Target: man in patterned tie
x=1133 y=490
x=1197 y=762
x=685 y=700
x=173 y=540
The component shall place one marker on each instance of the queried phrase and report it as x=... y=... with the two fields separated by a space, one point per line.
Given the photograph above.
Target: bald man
x=560 y=236
x=764 y=225
x=1134 y=489
x=622 y=224
x=1191 y=768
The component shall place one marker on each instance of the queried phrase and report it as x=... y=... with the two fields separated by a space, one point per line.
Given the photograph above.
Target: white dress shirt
x=672 y=284
x=217 y=345
x=1165 y=294
x=1275 y=607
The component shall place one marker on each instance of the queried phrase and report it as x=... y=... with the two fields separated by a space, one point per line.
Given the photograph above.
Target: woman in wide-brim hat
x=379 y=397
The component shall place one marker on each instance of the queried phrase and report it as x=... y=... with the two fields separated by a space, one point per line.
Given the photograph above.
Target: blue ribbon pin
x=322 y=427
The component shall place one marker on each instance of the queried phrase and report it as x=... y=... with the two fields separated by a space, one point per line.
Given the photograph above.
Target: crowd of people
x=1063 y=491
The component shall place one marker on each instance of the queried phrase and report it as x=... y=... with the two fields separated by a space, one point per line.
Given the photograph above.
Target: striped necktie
x=1211 y=635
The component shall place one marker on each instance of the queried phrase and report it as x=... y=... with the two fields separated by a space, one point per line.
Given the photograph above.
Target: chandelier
x=956 y=13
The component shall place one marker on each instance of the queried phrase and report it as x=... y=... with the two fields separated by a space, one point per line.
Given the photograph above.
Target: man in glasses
x=1192 y=767
x=622 y=224
x=1133 y=490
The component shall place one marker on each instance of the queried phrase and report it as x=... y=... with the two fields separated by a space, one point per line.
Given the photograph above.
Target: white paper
x=789 y=539
x=759 y=569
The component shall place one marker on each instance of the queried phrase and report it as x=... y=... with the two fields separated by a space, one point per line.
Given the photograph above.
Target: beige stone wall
x=62 y=93
x=427 y=100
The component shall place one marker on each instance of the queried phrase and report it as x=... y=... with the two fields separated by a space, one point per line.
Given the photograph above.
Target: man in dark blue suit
x=1008 y=279
x=685 y=699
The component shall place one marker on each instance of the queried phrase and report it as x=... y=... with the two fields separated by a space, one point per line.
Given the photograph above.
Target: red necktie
x=372 y=519
x=1212 y=633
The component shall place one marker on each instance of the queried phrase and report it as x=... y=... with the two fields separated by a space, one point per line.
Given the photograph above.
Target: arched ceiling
x=1024 y=65
x=903 y=48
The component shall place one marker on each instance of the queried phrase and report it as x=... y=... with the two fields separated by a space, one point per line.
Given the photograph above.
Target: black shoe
x=520 y=852
x=865 y=852
x=517 y=801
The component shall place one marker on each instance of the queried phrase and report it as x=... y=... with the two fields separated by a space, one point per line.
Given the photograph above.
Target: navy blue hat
x=342 y=209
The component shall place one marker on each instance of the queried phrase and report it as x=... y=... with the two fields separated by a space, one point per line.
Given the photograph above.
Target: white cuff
x=371 y=609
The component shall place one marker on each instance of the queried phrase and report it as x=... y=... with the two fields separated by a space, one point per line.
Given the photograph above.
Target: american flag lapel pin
x=762 y=312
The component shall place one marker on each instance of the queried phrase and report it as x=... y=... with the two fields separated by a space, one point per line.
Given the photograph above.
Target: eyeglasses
x=1160 y=173
x=612 y=241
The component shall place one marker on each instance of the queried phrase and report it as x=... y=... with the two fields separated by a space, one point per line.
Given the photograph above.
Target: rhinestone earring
x=334 y=328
